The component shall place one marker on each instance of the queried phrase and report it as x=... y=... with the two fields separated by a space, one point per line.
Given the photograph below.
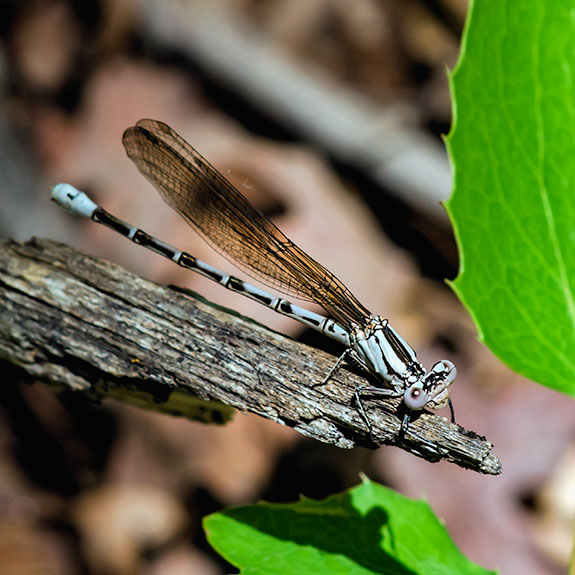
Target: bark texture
x=80 y=323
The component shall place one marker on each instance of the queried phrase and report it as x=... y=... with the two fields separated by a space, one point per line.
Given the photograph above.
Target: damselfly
x=238 y=230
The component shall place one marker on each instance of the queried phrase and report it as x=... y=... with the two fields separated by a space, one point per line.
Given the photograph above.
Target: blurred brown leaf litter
x=112 y=489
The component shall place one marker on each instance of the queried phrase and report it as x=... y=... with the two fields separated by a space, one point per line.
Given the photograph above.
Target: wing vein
x=231 y=224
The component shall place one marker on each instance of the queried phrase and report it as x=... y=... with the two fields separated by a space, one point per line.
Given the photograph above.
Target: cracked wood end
x=81 y=323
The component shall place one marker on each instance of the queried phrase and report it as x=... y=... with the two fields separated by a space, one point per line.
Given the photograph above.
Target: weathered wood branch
x=77 y=322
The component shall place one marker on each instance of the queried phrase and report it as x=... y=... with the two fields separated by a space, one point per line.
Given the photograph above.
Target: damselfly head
x=432 y=390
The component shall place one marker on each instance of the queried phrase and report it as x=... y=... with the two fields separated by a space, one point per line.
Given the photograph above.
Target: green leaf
x=368 y=529
x=512 y=149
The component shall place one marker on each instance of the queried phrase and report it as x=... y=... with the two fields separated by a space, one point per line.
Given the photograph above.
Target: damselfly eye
x=414 y=396
x=446 y=370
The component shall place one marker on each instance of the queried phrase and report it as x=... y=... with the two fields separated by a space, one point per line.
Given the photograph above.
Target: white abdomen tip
x=73 y=200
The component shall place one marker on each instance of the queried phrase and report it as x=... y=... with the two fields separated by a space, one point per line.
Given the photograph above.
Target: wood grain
x=80 y=323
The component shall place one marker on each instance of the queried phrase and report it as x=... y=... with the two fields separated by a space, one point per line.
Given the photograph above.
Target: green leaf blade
x=512 y=148
x=367 y=530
